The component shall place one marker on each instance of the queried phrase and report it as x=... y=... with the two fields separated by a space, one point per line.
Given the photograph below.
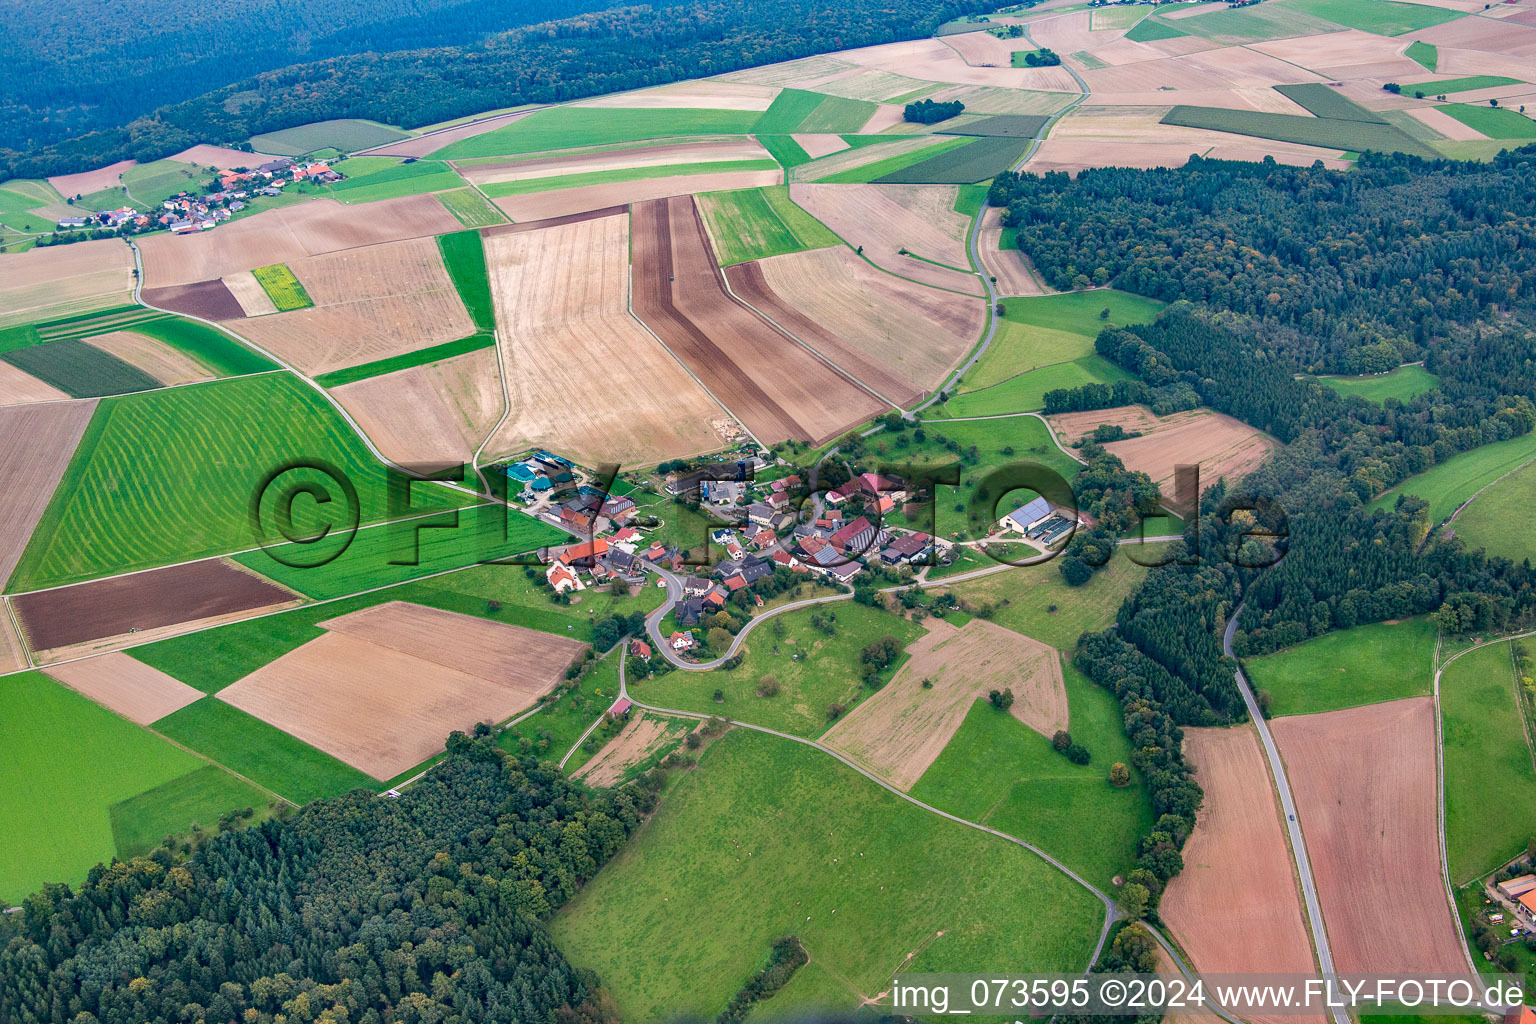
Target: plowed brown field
x=1365 y=787
x=1220 y=445
x=902 y=729
x=61 y=280
x=1235 y=908
x=39 y=441
x=211 y=300
x=65 y=616
x=583 y=375
x=131 y=688
x=773 y=385
x=385 y=686
x=918 y=334
x=19 y=388
x=370 y=303
x=632 y=745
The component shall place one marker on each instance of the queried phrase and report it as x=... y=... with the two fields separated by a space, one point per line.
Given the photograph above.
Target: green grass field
x=1501 y=519
x=285 y=290
x=785 y=150
x=1025 y=596
x=1454 y=85
x=169 y=475
x=406 y=360
x=1329 y=133
x=1041 y=330
x=345 y=134
x=1453 y=481
x=464 y=258
x=1254 y=23
x=153 y=183
x=1490 y=785
x=1425 y=53
x=558 y=725
x=767 y=838
x=1381 y=17
x=213 y=659
x=1026 y=392
x=172 y=808
x=1348 y=668
x=788 y=109
x=983 y=158
x=813 y=670
x=1149 y=30
x=471 y=208
x=570 y=127
x=80 y=370
x=1323 y=101
x=1000 y=772
x=755 y=223
x=889 y=165
x=263 y=753
x=838 y=114
x=1105 y=19
x=67 y=761
x=405 y=179
x=1404 y=384
x=1494 y=122
x=210 y=346
x=524 y=186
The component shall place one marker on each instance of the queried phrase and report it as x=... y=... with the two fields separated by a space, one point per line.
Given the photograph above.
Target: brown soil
x=220 y=157
x=86 y=182
x=817 y=146
x=1238 y=881
x=160 y=361
x=211 y=300
x=131 y=688
x=903 y=728
x=145 y=600
x=1365 y=787
x=1220 y=445
x=39 y=442
x=633 y=744
x=773 y=385
x=887 y=218
x=20 y=388
x=1007 y=265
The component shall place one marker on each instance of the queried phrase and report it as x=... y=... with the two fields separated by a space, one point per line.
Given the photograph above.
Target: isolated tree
x=768 y=686
x=1061 y=741
x=1119 y=775
x=1001 y=699
x=719 y=696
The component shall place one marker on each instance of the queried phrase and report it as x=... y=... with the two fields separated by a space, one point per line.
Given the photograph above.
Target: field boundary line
x=506 y=398
x=28 y=663
x=1463 y=506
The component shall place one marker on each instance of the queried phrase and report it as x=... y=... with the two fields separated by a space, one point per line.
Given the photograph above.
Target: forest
x=550 y=62
x=359 y=909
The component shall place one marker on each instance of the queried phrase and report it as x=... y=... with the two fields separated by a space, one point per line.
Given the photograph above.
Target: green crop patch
x=464 y=257
x=406 y=360
x=1380 y=17
x=170 y=475
x=208 y=345
x=1425 y=53
x=788 y=109
x=837 y=114
x=347 y=135
x=263 y=753
x=1348 y=668
x=67 y=761
x=1455 y=85
x=977 y=160
x=785 y=150
x=406 y=179
x=1036 y=601
x=1026 y=391
x=1494 y=122
x=1329 y=133
x=1041 y=330
x=471 y=208
x=768 y=838
x=1012 y=126
x=80 y=370
x=172 y=808
x=755 y=223
x=877 y=169
x=1149 y=30
x=286 y=291
x=1323 y=101
x=1448 y=484
x=573 y=127
x=1404 y=384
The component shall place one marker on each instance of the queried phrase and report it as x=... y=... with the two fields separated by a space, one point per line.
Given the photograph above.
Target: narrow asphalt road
x=1293 y=826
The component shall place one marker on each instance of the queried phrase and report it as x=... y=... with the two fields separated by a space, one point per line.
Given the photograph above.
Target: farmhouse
x=1517 y=887
x=907 y=548
x=1027 y=516
x=857 y=537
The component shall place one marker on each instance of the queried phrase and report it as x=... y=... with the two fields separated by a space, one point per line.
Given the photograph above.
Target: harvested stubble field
x=139 y=602
x=883 y=220
x=383 y=688
x=705 y=95
x=471 y=207
x=160 y=361
x=211 y=300
x=1327 y=133
x=426 y=415
x=642 y=739
x=1014 y=274
x=565 y=201
x=58 y=281
x=86 y=182
x=626 y=158
x=247 y=292
x=18 y=387
x=908 y=331
x=371 y=303
x=39 y=441
x=287 y=235
x=1219 y=444
x=12 y=657
x=899 y=731
x=1365 y=783
x=561 y=297
x=1238 y=879
x=679 y=295
x=130 y=688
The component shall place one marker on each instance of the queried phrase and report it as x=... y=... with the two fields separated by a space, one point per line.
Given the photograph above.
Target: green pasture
x=997 y=771
x=788 y=109
x=1501 y=519
x=1404 y=384
x=198 y=798
x=1425 y=53
x=1325 y=101
x=346 y=134
x=755 y=223
x=1494 y=122
x=67 y=762
x=464 y=258
x=1455 y=85
x=155 y=182
x=1041 y=330
x=556 y=727
x=1149 y=30
x=785 y=150
x=1026 y=391
x=571 y=127
x=1348 y=667
x=170 y=475
x=813 y=670
x=1254 y=23
x=263 y=753
x=1448 y=484
x=838 y=114
x=210 y=346
x=769 y=838
x=471 y=208
x=406 y=360
x=1326 y=132
x=889 y=165
x=405 y=179
x=1380 y=17
x=1490 y=785
x=286 y=291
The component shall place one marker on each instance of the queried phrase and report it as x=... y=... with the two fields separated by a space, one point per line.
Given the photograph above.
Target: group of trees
x=1041 y=58
x=423 y=908
x=929 y=112
x=1117 y=499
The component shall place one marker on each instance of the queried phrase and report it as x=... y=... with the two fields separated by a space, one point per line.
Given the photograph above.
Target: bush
x=1061 y=741
x=1002 y=700
x=768 y=686
x=1078 y=754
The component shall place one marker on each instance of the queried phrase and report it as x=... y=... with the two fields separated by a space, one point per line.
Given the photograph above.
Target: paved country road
x=1292 y=825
